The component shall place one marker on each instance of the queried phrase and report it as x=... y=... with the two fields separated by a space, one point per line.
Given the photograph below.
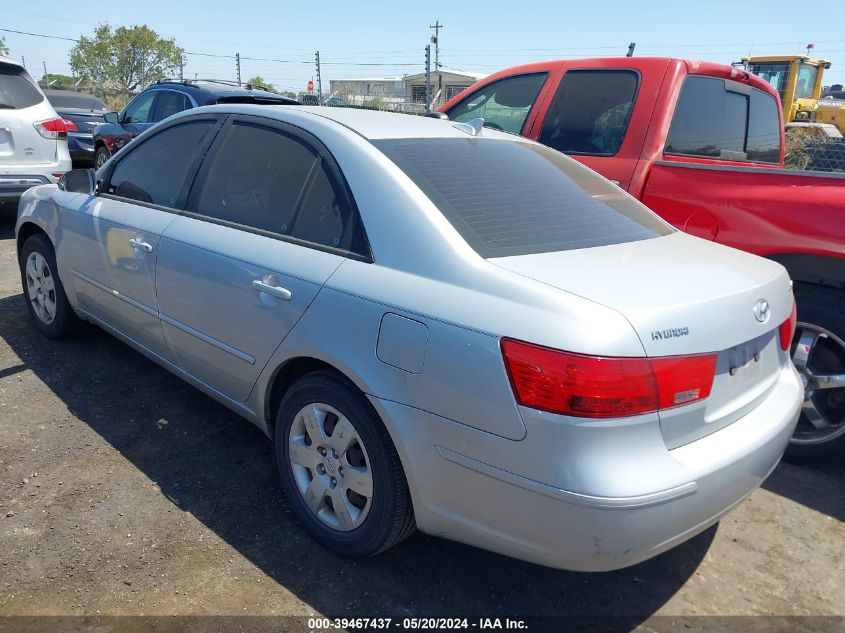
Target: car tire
x=821 y=326
x=43 y=291
x=341 y=517
x=101 y=156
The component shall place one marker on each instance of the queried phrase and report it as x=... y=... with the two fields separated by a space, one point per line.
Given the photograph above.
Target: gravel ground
x=125 y=491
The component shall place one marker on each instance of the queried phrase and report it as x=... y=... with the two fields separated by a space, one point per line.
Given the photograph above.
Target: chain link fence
x=808 y=149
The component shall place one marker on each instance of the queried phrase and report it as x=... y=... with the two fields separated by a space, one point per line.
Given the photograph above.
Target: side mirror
x=111 y=117
x=79 y=181
x=437 y=115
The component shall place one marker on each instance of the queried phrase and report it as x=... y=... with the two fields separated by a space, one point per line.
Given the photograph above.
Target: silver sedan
x=441 y=326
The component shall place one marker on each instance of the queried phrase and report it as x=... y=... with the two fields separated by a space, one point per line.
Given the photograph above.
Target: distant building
x=444 y=85
x=368 y=88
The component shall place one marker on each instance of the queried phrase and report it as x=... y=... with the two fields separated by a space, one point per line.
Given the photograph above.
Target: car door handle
x=270 y=288
x=134 y=242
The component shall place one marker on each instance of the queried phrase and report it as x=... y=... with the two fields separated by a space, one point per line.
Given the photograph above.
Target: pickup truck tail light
x=52 y=128
x=604 y=387
x=787 y=328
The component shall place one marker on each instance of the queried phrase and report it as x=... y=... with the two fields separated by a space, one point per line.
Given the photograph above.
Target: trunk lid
x=683 y=296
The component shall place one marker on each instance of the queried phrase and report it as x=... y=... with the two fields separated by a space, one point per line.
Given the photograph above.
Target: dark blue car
x=82 y=113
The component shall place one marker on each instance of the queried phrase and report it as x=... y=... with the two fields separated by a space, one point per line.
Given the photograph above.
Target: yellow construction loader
x=798 y=80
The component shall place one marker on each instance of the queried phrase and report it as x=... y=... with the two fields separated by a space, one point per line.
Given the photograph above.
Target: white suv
x=33 y=138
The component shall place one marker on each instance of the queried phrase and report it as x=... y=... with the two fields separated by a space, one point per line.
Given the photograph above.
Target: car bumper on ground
x=81 y=148
x=15 y=179
x=585 y=496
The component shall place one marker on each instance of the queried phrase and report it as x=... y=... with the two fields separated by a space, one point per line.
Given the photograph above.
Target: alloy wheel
x=820 y=357
x=41 y=287
x=331 y=468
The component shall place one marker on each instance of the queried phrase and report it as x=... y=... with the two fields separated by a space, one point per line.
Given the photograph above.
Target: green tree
x=122 y=60
x=259 y=82
x=59 y=82
x=4 y=50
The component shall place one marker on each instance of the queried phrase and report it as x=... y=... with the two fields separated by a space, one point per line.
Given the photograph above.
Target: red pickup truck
x=702 y=145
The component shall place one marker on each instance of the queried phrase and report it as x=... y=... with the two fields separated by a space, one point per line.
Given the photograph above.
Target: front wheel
x=339 y=467
x=818 y=352
x=101 y=157
x=45 y=296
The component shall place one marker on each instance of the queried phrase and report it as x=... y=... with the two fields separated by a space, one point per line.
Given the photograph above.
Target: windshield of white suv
x=510 y=198
x=17 y=90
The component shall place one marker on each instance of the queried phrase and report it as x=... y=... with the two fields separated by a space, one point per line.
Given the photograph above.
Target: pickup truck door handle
x=134 y=242
x=269 y=285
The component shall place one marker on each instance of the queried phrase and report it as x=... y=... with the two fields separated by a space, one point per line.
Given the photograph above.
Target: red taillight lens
x=787 y=328
x=52 y=128
x=70 y=125
x=604 y=387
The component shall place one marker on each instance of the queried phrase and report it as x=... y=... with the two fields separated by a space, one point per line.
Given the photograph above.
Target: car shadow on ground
x=221 y=469
x=8 y=215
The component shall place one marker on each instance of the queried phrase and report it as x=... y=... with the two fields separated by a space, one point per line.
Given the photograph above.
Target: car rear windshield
x=510 y=198
x=69 y=99
x=17 y=90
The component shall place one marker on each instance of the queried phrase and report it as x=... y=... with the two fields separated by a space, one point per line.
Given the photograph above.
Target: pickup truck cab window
x=590 y=112
x=722 y=119
x=504 y=104
x=156 y=171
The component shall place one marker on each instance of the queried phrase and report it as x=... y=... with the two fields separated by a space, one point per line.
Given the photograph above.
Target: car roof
x=218 y=88
x=371 y=124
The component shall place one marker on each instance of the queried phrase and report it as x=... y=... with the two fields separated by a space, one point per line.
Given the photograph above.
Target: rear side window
x=504 y=104
x=716 y=118
x=516 y=198
x=156 y=170
x=590 y=112
x=265 y=179
x=17 y=89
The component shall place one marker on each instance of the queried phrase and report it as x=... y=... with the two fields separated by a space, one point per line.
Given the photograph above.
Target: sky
x=277 y=39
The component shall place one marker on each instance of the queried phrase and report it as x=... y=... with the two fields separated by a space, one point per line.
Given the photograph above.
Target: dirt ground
x=125 y=491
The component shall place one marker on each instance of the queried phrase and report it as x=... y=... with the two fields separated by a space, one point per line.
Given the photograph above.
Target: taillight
x=601 y=386
x=787 y=328
x=70 y=124
x=52 y=128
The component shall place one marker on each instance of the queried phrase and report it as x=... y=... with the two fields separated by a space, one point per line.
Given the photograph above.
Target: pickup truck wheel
x=45 y=296
x=818 y=351
x=339 y=468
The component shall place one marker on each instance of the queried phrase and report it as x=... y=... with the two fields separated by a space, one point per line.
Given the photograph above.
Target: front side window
x=714 y=120
x=510 y=198
x=503 y=104
x=590 y=112
x=141 y=109
x=156 y=170
x=265 y=179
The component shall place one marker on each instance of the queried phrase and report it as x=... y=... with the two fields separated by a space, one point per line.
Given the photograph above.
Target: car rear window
x=17 y=90
x=69 y=99
x=510 y=198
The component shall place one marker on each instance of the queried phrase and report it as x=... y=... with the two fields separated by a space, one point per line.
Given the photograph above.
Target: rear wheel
x=45 y=295
x=339 y=467
x=818 y=351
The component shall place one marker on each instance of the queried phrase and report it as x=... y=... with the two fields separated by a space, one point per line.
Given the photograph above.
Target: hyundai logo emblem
x=762 y=311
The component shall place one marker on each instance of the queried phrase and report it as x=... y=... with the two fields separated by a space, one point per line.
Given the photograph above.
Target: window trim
x=325 y=158
x=725 y=155
x=637 y=74
x=540 y=73
x=105 y=184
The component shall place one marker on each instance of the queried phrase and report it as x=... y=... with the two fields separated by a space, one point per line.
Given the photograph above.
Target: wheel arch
x=26 y=230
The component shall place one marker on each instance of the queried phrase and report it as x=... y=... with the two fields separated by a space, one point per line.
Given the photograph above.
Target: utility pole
x=435 y=39
x=23 y=61
x=238 y=65
x=631 y=48
x=182 y=66
x=319 y=80
x=428 y=78
x=44 y=66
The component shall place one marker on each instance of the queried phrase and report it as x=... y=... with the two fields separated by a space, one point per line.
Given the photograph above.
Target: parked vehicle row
x=702 y=145
x=440 y=326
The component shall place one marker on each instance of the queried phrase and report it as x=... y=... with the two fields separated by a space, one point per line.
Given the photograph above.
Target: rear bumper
x=584 y=496
x=15 y=179
x=81 y=148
